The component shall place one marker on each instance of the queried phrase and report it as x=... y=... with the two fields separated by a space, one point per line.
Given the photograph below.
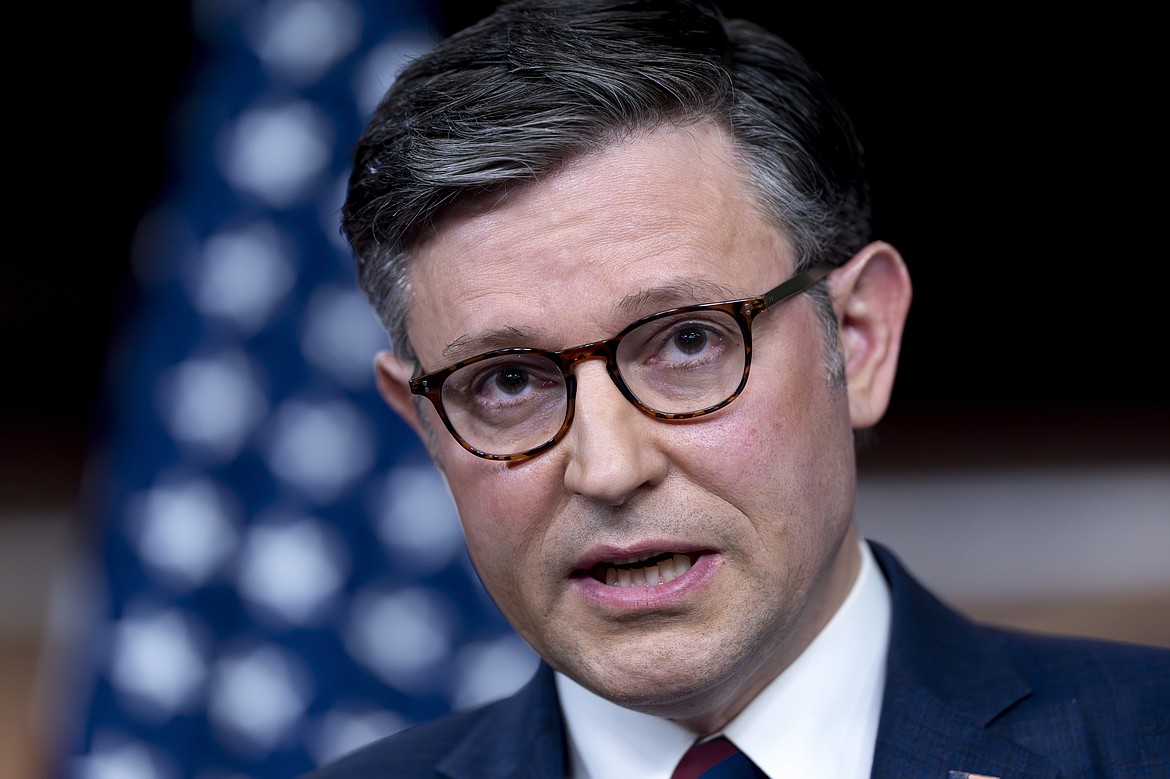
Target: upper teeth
x=664 y=571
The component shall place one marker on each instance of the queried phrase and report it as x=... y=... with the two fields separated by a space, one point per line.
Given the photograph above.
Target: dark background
x=1017 y=164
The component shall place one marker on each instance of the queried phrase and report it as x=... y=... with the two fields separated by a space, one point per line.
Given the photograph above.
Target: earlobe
x=871 y=296
x=393 y=379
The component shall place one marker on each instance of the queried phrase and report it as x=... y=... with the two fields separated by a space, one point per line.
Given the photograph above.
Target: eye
x=691 y=339
x=508 y=381
x=495 y=380
x=687 y=344
x=511 y=379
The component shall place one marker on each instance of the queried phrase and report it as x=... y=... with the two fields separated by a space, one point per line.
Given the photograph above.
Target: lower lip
x=651 y=597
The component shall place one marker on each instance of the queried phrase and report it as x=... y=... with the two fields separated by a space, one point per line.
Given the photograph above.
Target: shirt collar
x=817 y=718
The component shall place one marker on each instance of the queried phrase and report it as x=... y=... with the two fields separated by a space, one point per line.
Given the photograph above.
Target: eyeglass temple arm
x=799 y=283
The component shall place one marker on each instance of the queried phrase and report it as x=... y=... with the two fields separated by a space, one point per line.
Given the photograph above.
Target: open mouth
x=644 y=571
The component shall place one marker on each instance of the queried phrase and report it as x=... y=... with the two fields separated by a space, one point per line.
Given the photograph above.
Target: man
x=623 y=253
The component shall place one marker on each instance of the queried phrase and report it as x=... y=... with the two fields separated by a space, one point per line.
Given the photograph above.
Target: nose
x=612 y=449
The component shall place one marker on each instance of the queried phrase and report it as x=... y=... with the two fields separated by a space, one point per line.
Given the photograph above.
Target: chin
x=668 y=683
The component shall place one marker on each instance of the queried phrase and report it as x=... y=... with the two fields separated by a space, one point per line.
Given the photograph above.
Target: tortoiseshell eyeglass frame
x=744 y=311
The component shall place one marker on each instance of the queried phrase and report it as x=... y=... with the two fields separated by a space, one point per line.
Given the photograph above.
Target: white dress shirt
x=818 y=718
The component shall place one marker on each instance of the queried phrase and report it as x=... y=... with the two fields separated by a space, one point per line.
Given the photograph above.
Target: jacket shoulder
x=1106 y=702
x=1040 y=705
x=521 y=735
x=412 y=753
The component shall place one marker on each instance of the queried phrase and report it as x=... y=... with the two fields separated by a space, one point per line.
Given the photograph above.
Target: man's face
x=758 y=495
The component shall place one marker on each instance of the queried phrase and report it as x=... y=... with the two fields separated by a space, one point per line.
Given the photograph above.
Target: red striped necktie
x=716 y=759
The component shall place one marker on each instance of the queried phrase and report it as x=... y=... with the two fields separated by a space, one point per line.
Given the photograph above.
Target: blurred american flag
x=276 y=573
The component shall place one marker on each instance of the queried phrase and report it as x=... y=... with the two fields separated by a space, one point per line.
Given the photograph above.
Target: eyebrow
x=677 y=293
x=468 y=345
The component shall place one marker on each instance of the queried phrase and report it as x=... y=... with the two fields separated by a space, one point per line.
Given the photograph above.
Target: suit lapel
x=523 y=739
x=946 y=682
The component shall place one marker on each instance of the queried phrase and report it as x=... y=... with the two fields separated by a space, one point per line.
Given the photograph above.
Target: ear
x=871 y=296
x=393 y=378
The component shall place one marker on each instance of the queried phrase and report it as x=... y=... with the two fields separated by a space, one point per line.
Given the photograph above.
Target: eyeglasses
x=682 y=363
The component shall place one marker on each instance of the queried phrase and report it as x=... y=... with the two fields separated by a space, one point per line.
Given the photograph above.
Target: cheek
x=729 y=451
x=783 y=451
x=781 y=434
x=505 y=513
x=503 y=510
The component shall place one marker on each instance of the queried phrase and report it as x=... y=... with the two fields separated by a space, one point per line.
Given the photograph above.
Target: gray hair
x=539 y=83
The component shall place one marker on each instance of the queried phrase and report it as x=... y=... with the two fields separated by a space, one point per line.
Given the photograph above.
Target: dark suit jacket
x=959 y=698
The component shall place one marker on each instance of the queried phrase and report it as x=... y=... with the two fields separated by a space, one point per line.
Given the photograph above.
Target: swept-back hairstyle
x=538 y=83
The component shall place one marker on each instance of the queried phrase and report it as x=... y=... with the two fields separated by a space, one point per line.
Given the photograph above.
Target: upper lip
x=633 y=553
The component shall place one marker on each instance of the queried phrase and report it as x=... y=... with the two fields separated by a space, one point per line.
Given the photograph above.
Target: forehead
x=665 y=218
